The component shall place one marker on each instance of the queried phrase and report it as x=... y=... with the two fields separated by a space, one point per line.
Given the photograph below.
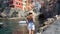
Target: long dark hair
x=29 y=16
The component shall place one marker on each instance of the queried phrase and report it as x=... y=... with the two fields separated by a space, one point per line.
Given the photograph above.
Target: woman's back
x=30 y=18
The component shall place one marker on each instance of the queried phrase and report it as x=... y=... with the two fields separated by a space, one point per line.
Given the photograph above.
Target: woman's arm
x=26 y=20
x=33 y=18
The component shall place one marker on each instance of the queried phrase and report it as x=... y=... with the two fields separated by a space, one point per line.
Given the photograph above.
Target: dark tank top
x=30 y=20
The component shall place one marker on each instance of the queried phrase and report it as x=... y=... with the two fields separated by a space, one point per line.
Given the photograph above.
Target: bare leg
x=29 y=31
x=32 y=31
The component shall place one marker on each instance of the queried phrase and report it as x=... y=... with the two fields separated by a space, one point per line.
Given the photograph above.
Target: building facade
x=11 y=6
x=15 y=4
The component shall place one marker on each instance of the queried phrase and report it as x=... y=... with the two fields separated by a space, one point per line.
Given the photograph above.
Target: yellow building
x=27 y=5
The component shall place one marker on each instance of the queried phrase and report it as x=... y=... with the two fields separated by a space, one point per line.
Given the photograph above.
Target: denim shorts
x=31 y=26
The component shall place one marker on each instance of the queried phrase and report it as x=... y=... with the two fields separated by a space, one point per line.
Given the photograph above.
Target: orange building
x=19 y=4
x=16 y=4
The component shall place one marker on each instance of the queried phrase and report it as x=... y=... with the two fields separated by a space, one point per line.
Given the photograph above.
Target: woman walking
x=30 y=21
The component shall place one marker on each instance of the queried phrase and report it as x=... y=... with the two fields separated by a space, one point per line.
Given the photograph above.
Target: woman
x=30 y=20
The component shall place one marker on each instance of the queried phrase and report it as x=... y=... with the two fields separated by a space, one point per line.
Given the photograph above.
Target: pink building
x=16 y=4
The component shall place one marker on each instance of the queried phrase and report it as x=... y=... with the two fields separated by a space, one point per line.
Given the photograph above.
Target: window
x=19 y=3
x=12 y=6
x=16 y=2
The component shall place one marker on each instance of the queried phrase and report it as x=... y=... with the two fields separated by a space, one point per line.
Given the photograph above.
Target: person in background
x=30 y=23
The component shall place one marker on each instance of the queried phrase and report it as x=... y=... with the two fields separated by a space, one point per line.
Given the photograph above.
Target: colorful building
x=16 y=4
x=27 y=5
x=22 y=4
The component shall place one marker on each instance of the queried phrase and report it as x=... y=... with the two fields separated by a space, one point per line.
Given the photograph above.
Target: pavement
x=47 y=24
x=54 y=28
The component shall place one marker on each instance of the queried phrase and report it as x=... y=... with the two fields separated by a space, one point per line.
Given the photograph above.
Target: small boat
x=22 y=22
x=1 y=24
